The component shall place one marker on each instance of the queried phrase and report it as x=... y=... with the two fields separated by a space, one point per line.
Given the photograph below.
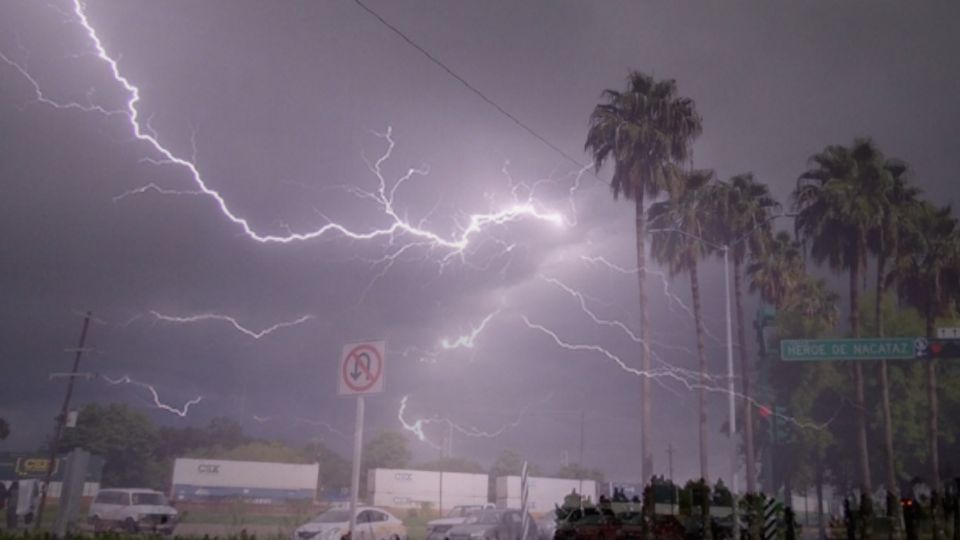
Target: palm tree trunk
x=646 y=414
x=893 y=496
x=701 y=390
x=821 y=525
x=745 y=373
x=866 y=489
x=934 y=429
x=702 y=368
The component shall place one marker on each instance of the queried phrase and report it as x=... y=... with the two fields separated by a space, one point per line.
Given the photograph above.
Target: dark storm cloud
x=280 y=105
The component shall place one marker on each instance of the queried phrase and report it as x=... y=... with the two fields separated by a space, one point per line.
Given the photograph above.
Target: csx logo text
x=208 y=468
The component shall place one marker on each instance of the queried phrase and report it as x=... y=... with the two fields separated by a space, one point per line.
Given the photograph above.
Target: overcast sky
x=282 y=108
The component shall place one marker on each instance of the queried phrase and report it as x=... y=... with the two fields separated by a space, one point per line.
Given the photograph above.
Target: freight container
x=403 y=488
x=205 y=479
x=543 y=493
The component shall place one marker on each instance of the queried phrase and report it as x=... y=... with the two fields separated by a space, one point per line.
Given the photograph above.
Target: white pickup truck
x=437 y=528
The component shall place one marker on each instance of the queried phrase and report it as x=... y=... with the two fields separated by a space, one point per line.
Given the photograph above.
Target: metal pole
x=61 y=422
x=670 y=472
x=580 y=468
x=355 y=476
x=732 y=398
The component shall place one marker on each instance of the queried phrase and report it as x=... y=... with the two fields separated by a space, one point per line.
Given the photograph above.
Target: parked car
x=437 y=528
x=334 y=524
x=494 y=524
x=590 y=523
x=661 y=526
x=132 y=510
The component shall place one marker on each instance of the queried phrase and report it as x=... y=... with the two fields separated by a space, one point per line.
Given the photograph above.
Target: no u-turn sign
x=361 y=369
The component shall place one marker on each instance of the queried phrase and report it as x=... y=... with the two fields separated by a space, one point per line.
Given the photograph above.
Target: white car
x=437 y=528
x=334 y=524
x=132 y=510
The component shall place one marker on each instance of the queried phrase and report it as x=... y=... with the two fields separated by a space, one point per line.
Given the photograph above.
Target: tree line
x=854 y=210
x=140 y=453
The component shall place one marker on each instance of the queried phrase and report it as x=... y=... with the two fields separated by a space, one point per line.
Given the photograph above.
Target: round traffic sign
x=362 y=368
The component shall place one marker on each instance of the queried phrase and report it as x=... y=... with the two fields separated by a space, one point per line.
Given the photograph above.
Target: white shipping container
x=404 y=488
x=244 y=474
x=544 y=493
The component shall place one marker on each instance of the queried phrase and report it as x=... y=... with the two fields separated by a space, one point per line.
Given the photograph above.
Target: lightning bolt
x=658 y=374
x=672 y=297
x=324 y=425
x=463 y=341
x=582 y=301
x=154 y=188
x=181 y=412
x=233 y=322
x=417 y=427
x=468 y=340
x=384 y=196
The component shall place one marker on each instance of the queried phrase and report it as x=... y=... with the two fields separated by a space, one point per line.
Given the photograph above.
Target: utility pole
x=673 y=495
x=670 y=461
x=61 y=422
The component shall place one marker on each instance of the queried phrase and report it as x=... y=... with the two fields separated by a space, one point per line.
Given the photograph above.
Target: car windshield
x=156 y=499
x=484 y=518
x=332 y=516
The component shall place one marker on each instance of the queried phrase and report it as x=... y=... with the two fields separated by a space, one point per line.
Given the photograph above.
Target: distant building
x=27 y=468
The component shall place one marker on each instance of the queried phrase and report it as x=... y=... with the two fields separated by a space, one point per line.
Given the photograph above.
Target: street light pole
x=730 y=394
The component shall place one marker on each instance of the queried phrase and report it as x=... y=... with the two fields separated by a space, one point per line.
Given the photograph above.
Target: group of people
x=19 y=505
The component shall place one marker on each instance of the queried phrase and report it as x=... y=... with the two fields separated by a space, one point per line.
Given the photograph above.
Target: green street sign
x=799 y=350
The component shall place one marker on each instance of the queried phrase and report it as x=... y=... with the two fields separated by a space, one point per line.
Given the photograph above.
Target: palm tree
x=647 y=130
x=677 y=243
x=928 y=277
x=837 y=201
x=777 y=269
x=898 y=202
x=743 y=210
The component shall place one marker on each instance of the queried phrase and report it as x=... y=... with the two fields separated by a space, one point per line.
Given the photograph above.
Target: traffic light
x=778 y=431
x=941 y=348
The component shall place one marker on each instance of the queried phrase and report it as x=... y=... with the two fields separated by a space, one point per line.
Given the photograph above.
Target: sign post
x=360 y=372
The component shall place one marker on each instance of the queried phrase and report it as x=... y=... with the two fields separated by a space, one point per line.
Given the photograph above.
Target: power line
x=469 y=86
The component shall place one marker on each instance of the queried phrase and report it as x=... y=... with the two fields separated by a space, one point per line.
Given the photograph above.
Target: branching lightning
x=672 y=298
x=417 y=427
x=233 y=322
x=397 y=230
x=657 y=374
x=582 y=301
x=384 y=196
x=467 y=341
x=156 y=397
